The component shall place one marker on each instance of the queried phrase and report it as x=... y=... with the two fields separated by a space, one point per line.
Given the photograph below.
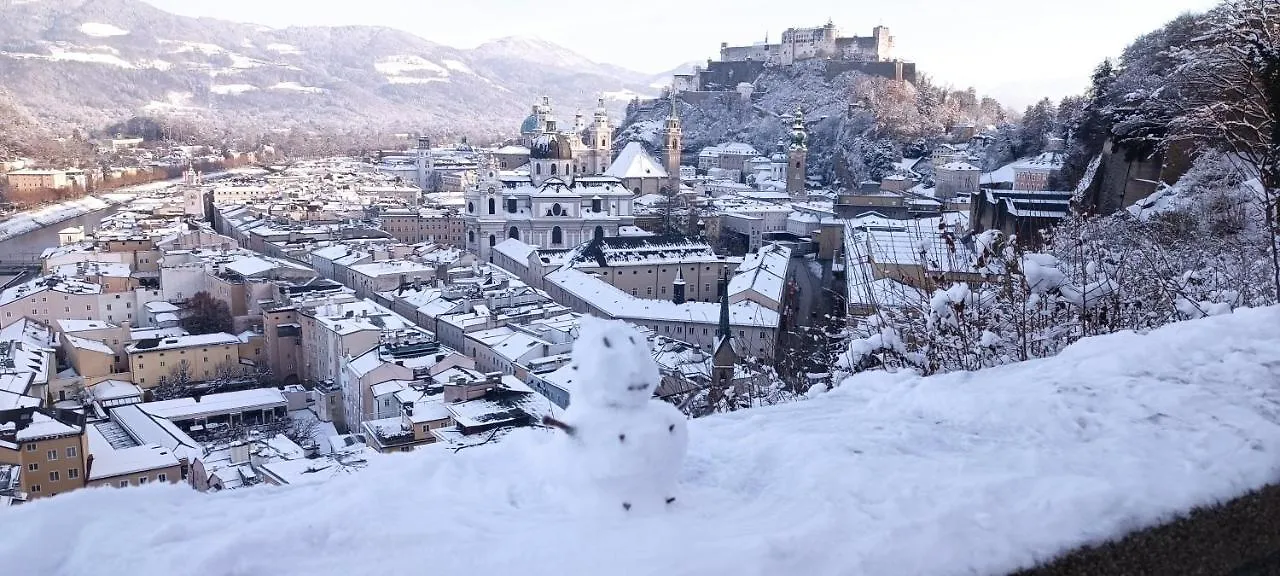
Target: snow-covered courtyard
x=965 y=473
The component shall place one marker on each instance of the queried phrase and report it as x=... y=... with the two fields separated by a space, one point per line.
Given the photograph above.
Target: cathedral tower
x=601 y=145
x=671 y=147
x=798 y=153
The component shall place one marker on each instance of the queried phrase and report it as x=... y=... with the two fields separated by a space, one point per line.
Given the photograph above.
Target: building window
x=595 y=204
x=633 y=292
x=648 y=291
x=123 y=484
x=54 y=476
x=162 y=477
x=35 y=487
x=31 y=447
x=71 y=451
x=557 y=235
x=51 y=455
x=556 y=210
x=553 y=169
x=492 y=206
x=742 y=333
x=73 y=473
x=492 y=240
x=32 y=467
x=142 y=480
x=514 y=233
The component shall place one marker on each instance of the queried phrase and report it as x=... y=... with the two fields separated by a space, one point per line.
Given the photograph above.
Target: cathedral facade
x=560 y=199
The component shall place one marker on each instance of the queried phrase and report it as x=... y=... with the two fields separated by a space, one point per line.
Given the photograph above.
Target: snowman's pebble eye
x=622 y=437
x=671 y=428
x=606 y=343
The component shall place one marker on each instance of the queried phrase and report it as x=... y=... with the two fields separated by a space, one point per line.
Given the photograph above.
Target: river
x=28 y=246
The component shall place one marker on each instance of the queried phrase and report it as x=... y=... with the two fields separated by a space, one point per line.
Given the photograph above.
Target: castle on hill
x=821 y=42
x=739 y=65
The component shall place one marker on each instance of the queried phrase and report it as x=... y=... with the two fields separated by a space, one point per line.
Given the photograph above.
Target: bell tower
x=671 y=146
x=601 y=135
x=797 y=159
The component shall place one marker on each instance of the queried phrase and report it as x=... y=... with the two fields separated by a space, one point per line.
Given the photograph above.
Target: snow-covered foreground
x=966 y=473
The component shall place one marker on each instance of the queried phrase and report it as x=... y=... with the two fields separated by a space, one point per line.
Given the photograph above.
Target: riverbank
x=31 y=220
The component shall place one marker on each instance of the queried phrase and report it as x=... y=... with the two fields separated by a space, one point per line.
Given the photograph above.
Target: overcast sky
x=1015 y=50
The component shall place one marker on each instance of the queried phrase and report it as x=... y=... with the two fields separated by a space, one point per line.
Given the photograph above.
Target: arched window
x=492 y=240
x=557 y=236
x=514 y=233
x=492 y=206
x=471 y=236
x=599 y=232
x=471 y=207
x=556 y=210
x=797 y=163
x=553 y=169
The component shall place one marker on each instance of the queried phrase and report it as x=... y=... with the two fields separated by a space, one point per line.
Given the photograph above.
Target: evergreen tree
x=1088 y=128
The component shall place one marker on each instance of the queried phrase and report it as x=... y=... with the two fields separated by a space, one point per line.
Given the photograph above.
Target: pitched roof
x=636 y=162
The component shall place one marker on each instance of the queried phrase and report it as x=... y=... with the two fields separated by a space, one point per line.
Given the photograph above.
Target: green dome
x=530 y=125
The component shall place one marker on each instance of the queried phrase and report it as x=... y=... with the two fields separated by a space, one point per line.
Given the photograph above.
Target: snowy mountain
x=93 y=62
x=965 y=473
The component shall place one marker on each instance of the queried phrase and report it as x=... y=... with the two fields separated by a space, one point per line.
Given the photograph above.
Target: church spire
x=724 y=332
x=677 y=287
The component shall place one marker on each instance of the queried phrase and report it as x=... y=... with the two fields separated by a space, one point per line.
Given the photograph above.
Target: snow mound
x=286 y=49
x=232 y=89
x=100 y=30
x=975 y=472
x=297 y=87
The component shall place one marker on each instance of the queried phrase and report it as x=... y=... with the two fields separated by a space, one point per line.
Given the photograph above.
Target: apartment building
x=48 y=446
x=47 y=299
x=46 y=179
x=411 y=358
x=202 y=357
x=334 y=331
x=415 y=225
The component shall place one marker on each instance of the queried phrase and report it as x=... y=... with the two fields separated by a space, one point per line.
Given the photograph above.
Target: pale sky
x=1015 y=50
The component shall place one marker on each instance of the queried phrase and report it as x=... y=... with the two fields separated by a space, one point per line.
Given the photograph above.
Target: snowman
x=629 y=446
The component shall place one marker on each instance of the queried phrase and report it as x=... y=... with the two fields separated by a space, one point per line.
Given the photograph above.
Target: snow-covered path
x=969 y=473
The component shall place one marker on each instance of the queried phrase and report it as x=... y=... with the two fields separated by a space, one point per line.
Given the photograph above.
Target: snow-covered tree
x=1229 y=77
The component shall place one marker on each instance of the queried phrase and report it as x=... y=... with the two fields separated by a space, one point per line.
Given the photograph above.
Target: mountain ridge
x=91 y=63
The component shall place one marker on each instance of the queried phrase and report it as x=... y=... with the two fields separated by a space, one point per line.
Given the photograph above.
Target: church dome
x=530 y=125
x=551 y=147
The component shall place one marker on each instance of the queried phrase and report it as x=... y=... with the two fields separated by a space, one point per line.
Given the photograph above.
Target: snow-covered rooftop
x=187 y=341
x=969 y=472
x=636 y=162
x=763 y=272
x=88 y=344
x=109 y=461
x=216 y=404
x=619 y=304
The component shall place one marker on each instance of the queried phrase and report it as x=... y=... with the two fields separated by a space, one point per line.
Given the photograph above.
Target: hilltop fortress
x=743 y=64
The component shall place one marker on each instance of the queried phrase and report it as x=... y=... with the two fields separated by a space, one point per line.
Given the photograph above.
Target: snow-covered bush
x=1199 y=248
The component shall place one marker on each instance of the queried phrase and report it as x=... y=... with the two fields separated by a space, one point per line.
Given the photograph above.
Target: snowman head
x=614 y=365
